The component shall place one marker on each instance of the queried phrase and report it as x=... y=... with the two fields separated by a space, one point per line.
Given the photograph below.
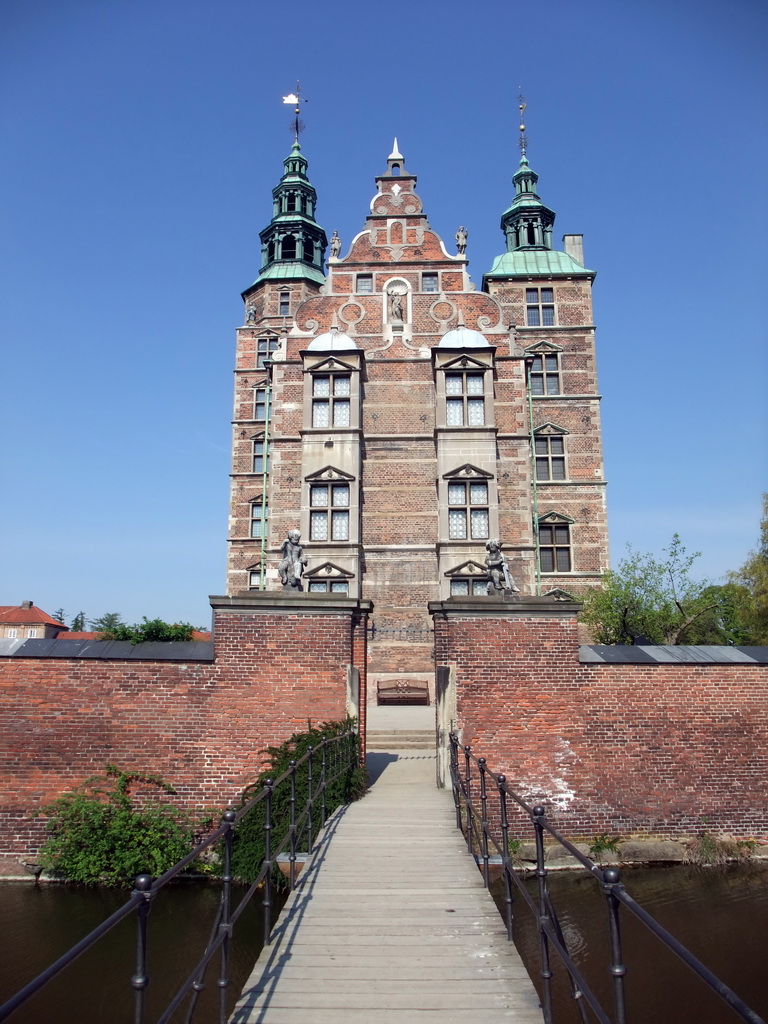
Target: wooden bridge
x=389 y=920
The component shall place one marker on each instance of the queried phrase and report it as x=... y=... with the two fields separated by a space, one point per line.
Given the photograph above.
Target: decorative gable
x=328 y=569
x=467 y=470
x=543 y=347
x=550 y=428
x=555 y=517
x=329 y=473
x=468 y=569
x=333 y=365
x=464 y=362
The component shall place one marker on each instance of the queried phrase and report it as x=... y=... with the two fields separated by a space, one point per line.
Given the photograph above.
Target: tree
x=78 y=623
x=59 y=616
x=150 y=630
x=658 y=601
x=110 y=620
x=752 y=579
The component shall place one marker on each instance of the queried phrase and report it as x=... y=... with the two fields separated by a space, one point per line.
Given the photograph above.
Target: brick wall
x=202 y=726
x=660 y=748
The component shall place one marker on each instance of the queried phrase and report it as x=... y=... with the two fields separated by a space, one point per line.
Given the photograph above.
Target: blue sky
x=142 y=139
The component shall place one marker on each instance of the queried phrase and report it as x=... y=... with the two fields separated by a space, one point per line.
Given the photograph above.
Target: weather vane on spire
x=523 y=137
x=295 y=97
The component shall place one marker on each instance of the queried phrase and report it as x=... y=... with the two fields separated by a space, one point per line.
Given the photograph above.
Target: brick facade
x=658 y=748
x=200 y=725
x=382 y=319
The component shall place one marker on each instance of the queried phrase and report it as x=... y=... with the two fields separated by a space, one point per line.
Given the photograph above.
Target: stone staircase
x=401 y=739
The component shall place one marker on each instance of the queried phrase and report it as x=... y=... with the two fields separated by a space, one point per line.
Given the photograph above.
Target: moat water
x=720 y=914
x=41 y=922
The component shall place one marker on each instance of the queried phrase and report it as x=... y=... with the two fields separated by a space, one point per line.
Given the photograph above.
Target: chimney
x=27 y=604
x=574 y=246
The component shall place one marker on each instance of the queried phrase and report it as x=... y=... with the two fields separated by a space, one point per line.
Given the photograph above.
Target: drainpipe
x=268 y=410
x=528 y=366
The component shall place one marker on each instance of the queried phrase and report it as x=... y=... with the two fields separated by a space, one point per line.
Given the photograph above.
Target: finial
x=334 y=323
x=297 y=125
x=395 y=154
x=523 y=138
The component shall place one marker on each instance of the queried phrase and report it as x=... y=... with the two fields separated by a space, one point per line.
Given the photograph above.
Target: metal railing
x=322 y=765
x=476 y=790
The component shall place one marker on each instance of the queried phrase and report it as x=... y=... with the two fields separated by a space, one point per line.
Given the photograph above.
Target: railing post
x=225 y=925
x=501 y=782
x=322 y=781
x=537 y=813
x=292 y=855
x=140 y=978
x=310 y=836
x=611 y=878
x=484 y=821
x=454 y=769
x=468 y=796
x=267 y=901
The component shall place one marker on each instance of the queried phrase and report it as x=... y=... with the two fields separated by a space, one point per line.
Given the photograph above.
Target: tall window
x=329 y=512
x=330 y=400
x=288 y=248
x=264 y=348
x=285 y=297
x=364 y=284
x=256 y=575
x=260 y=461
x=464 y=400
x=550 y=457
x=555 y=547
x=261 y=404
x=539 y=308
x=545 y=374
x=468 y=510
x=429 y=282
x=259 y=516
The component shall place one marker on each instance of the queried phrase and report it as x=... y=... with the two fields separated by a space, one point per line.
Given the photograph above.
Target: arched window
x=288 y=251
x=309 y=250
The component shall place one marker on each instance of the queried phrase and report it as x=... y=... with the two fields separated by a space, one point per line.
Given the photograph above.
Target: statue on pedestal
x=498 y=571
x=293 y=561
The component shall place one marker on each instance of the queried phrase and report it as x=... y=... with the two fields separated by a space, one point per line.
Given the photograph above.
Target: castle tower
x=400 y=419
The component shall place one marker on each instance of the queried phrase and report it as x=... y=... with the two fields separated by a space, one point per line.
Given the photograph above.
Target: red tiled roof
x=79 y=635
x=16 y=615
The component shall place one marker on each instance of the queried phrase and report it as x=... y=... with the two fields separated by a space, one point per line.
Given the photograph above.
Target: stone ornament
x=335 y=244
x=498 y=571
x=461 y=240
x=292 y=564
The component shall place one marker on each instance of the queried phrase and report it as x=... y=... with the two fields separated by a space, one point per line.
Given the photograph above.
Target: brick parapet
x=280 y=660
x=655 y=748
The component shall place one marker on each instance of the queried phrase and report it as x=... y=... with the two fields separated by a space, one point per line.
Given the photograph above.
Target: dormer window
x=329 y=512
x=330 y=400
x=468 y=510
x=464 y=400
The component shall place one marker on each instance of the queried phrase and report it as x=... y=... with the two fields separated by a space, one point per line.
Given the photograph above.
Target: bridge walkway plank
x=390 y=922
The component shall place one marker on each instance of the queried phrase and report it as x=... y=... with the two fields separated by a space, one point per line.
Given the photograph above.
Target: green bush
x=248 y=849
x=97 y=836
x=149 y=630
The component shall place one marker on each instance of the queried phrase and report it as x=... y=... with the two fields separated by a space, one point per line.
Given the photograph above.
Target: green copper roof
x=530 y=262
x=290 y=272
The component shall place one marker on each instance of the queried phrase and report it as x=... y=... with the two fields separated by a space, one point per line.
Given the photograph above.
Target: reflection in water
x=42 y=922
x=720 y=914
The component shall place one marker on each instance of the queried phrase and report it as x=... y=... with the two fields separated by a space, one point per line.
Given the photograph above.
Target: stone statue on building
x=335 y=244
x=293 y=561
x=461 y=240
x=250 y=315
x=396 y=307
x=499 y=577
